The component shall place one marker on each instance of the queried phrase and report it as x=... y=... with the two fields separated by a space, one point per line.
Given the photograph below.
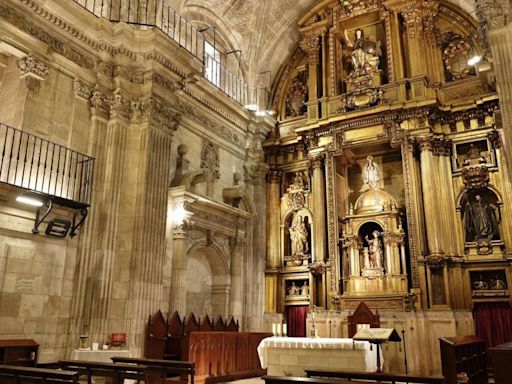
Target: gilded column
x=273 y=243
x=311 y=44
x=319 y=218
x=430 y=195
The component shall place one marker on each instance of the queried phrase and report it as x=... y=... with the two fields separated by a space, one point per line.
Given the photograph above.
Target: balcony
x=45 y=168
x=160 y=14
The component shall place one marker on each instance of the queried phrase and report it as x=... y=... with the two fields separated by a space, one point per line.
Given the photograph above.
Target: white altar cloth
x=292 y=355
x=98 y=356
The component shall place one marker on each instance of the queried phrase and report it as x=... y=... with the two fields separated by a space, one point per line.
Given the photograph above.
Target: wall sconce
x=31 y=199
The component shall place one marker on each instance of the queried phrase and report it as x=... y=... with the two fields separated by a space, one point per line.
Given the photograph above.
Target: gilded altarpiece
x=409 y=201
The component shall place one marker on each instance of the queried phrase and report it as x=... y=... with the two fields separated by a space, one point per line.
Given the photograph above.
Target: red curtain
x=493 y=322
x=296 y=320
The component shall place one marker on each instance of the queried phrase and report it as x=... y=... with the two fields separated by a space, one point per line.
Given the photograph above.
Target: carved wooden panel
x=155 y=337
x=362 y=315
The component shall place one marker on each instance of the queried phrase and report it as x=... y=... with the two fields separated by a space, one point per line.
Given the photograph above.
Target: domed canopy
x=374 y=200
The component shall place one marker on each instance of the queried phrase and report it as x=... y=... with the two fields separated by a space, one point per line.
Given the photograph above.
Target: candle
x=278 y=329
x=285 y=330
x=274 y=329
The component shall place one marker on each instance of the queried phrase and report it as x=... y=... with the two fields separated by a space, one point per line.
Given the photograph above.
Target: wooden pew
x=374 y=376
x=165 y=368
x=21 y=375
x=306 y=380
x=117 y=372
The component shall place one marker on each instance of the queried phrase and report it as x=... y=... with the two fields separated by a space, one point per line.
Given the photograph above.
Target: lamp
x=474 y=60
x=30 y=198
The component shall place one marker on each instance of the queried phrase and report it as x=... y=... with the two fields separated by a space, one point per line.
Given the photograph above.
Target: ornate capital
x=317 y=162
x=425 y=143
x=81 y=90
x=442 y=147
x=29 y=66
x=311 y=45
x=493 y=13
x=274 y=176
x=495 y=139
x=419 y=17
x=438 y=261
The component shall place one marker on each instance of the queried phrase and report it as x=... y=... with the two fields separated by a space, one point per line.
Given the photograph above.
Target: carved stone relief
x=210 y=162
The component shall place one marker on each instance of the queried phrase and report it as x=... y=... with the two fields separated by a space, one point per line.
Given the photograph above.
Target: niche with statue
x=373 y=241
x=481 y=221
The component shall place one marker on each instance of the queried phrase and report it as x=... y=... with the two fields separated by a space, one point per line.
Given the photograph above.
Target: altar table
x=99 y=356
x=284 y=356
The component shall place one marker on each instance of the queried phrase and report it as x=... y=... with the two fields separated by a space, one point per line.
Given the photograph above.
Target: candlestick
x=278 y=329
x=285 y=330
x=274 y=329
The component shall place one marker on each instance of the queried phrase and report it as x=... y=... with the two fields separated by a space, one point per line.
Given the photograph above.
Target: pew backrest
x=374 y=376
x=306 y=380
x=168 y=368
x=22 y=375
x=118 y=372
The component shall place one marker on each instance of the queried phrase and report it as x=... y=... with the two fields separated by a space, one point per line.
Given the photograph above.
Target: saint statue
x=375 y=250
x=480 y=283
x=304 y=291
x=497 y=283
x=293 y=290
x=299 y=237
x=473 y=156
x=371 y=174
x=480 y=221
x=364 y=54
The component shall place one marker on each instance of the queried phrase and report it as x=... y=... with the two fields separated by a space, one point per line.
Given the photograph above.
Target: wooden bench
x=306 y=380
x=21 y=375
x=374 y=376
x=166 y=368
x=117 y=372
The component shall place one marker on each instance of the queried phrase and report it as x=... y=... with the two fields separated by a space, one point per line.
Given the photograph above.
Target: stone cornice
x=80 y=57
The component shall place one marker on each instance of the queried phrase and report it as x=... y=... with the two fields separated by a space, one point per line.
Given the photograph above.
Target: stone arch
x=208 y=280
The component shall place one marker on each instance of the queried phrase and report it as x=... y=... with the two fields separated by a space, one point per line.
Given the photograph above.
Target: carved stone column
x=22 y=102
x=430 y=195
x=178 y=297
x=236 y=291
x=494 y=17
x=153 y=123
x=273 y=244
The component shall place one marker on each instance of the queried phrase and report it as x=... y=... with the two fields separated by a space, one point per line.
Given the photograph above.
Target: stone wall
x=126 y=102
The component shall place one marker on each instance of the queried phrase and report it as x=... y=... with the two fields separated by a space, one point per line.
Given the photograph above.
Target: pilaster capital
x=81 y=89
x=317 y=162
x=310 y=43
x=425 y=143
x=181 y=231
x=274 y=176
x=495 y=139
x=30 y=66
x=438 y=261
x=493 y=13
x=156 y=112
x=418 y=15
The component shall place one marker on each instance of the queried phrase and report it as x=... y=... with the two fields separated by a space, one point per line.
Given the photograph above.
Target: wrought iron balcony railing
x=160 y=14
x=39 y=165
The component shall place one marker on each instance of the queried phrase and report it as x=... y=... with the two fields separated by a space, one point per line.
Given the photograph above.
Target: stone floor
x=254 y=380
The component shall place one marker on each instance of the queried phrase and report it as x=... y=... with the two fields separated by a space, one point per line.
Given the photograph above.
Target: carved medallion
x=210 y=162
